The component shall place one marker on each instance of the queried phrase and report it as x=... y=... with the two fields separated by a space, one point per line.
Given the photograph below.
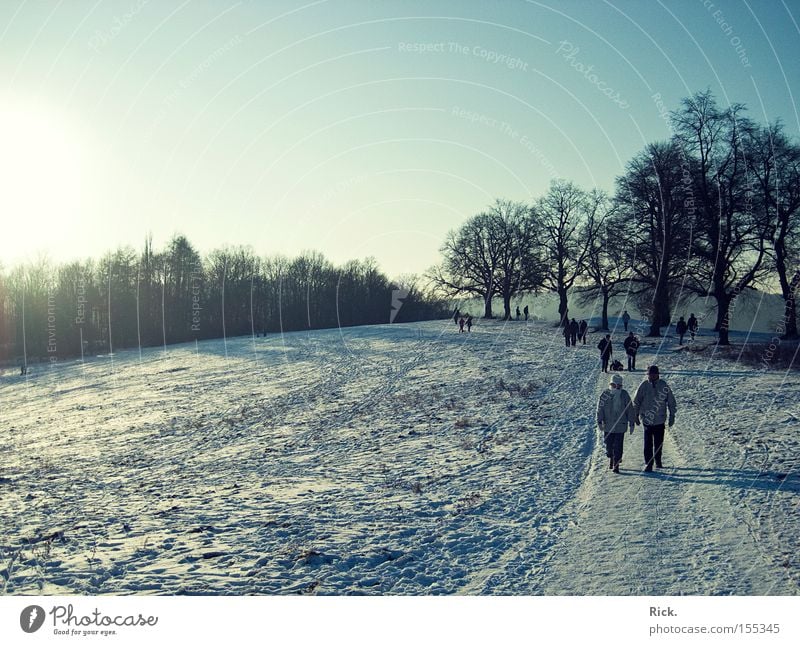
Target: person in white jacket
x=652 y=401
x=615 y=415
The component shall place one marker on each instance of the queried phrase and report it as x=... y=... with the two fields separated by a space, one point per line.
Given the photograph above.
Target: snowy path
x=670 y=532
x=397 y=459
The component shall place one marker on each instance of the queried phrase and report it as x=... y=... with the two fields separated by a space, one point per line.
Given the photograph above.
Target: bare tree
x=471 y=259
x=729 y=243
x=774 y=161
x=605 y=266
x=519 y=268
x=567 y=225
x=655 y=200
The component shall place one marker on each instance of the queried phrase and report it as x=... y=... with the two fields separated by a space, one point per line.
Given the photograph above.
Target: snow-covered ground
x=397 y=459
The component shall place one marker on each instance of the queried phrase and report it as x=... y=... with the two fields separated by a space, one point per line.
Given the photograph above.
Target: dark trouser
x=574 y=339
x=566 y=340
x=626 y=324
x=605 y=358
x=653 y=441
x=614 y=442
x=631 y=362
x=680 y=342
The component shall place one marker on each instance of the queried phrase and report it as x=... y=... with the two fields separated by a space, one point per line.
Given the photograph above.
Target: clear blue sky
x=355 y=128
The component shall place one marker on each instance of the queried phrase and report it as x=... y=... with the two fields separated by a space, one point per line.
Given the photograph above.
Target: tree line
x=150 y=298
x=712 y=211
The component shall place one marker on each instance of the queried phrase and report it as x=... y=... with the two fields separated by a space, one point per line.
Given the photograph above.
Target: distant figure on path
x=626 y=318
x=681 y=328
x=631 y=345
x=518 y=313
x=461 y=324
x=615 y=415
x=566 y=332
x=573 y=332
x=651 y=402
x=692 y=326
x=469 y=323
x=605 y=351
x=525 y=311
x=583 y=327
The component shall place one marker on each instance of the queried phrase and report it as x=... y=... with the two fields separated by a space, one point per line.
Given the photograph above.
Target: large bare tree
x=730 y=236
x=774 y=161
x=656 y=208
x=470 y=264
x=567 y=225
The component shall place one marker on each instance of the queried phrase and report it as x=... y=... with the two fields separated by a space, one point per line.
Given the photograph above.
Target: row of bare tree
x=151 y=298
x=712 y=211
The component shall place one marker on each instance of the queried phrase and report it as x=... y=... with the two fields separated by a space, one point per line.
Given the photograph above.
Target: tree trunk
x=789 y=291
x=563 y=310
x=661 y=312
x=723 y=315
x=506 y=306
x=606 y=298
x=487 y=306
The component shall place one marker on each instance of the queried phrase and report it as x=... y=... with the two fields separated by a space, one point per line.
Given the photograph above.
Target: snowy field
x=397 y=459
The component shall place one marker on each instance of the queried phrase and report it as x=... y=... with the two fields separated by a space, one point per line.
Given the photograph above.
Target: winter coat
x=605 y=348
x=631 y=345
x=573 y=327
x=692 y=323
x=652 y=400
x=681 y=327
x=615 y=416
x=583 y=327
x=626 y=317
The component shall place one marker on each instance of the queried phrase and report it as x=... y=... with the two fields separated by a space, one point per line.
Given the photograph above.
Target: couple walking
x=653 y=404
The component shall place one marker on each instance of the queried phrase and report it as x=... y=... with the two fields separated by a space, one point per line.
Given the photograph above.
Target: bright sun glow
x=40 y=174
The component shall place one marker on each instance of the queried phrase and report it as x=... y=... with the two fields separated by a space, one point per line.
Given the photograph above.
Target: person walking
x=518 y=313
x=626 y=318
x=681 y=328
x=631 y=345
x=692 y=325
x=651 y=403
x=525 y=311
x=469 y=323
x=455 y=316
x=605 y=351
x=565 y=331
x=573 y=332
x=461 y=324
x=583 y=327
x=615 y=415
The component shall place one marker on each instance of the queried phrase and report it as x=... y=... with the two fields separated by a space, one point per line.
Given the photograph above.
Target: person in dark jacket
x=456 y=314
x=605 y=351
x=525 y=311
x=469 y=323
x=652 y=402
x=461 y=322
x=692 y=326
x=583 y=327
x=573 y=332
x=615 y=415
x=681 y=328
x=626 y=318
x=565 y=331
x=631 y=345
x=518 y=312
